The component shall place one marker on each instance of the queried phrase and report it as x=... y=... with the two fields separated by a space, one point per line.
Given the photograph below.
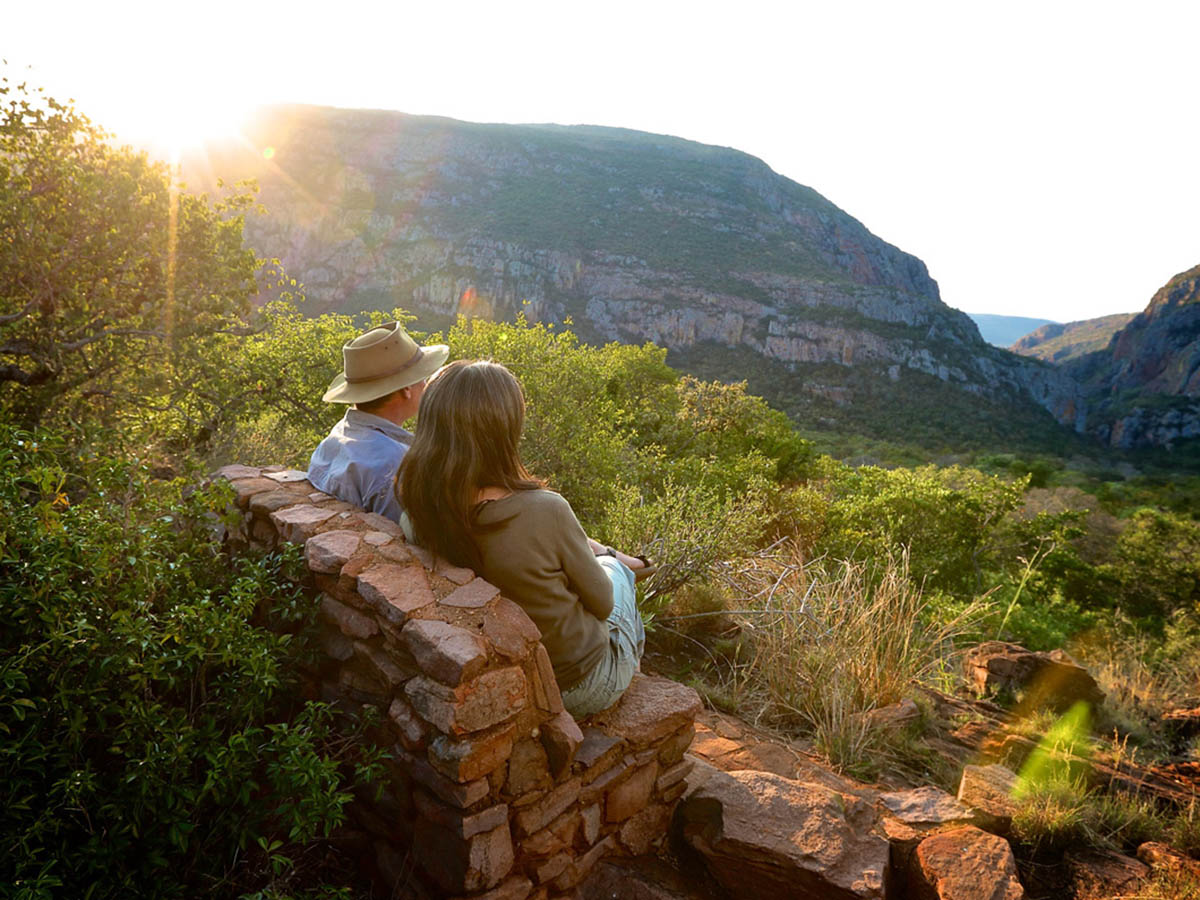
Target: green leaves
x=149 y=727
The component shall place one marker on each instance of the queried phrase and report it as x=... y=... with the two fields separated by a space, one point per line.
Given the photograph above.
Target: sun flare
x=171 y=124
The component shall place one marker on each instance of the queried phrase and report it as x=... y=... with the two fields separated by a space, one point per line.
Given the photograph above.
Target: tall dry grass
x=830 y=641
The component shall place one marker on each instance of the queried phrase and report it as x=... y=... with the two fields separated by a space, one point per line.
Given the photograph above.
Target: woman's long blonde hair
x=468 y=428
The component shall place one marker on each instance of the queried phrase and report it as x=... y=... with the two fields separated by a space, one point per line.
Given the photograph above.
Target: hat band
x=412 y=361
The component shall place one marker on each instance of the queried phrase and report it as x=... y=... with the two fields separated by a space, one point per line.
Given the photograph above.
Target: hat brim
x=340 y=390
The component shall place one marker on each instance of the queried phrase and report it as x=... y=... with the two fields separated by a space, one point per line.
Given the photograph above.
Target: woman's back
x=534 y=549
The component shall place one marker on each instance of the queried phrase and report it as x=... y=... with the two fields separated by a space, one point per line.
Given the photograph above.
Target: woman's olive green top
x=537 y=553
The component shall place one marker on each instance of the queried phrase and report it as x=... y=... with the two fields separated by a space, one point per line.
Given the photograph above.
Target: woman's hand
x=601 y=550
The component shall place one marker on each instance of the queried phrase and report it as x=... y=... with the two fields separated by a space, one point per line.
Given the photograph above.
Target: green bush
x=152 y=739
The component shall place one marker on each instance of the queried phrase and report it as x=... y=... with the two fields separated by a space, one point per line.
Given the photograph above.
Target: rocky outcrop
x=1145 y=384
x=1050 y=679
x=635 y=236
x=763 y=835
x=964 y=864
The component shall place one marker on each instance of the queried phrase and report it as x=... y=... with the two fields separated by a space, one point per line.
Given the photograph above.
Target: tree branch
x=20 y=314
x=108 y=332
x=29 y=379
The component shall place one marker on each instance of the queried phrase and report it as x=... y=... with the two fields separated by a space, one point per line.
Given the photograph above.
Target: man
x=383 y=377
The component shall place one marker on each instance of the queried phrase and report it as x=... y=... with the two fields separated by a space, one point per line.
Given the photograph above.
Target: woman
x=470 y=500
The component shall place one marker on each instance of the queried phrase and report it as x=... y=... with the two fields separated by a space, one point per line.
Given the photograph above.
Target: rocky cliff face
x=1146 y=382
x=635 y=236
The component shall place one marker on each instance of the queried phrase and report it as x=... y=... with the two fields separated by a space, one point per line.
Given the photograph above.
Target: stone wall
x=493 y=789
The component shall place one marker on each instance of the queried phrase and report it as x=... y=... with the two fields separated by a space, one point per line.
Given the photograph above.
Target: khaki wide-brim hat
x=383 y=360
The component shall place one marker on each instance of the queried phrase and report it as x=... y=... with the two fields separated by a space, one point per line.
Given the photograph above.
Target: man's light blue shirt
x=358 y=461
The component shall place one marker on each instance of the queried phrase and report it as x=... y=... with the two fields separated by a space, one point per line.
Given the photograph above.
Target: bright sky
x=1041 y=157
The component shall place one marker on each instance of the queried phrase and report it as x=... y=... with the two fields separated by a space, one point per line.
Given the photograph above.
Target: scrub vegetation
x=152 y=738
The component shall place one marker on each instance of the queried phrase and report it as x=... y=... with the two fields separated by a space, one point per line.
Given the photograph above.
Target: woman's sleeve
x=586 y=576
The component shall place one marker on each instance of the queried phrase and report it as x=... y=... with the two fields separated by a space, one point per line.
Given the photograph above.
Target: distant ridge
x=739 y=272
x=1001 y=331
x=1058 y=343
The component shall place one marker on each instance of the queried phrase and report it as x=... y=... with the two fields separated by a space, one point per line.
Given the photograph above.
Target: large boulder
x=1102 y=874
x=964 y=864
x=763 y=835
x=1051 y=679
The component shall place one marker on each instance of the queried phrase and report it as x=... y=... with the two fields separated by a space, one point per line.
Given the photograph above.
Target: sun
x=170 y=120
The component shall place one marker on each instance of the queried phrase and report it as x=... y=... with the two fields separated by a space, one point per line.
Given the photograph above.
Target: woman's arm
x=585 y=576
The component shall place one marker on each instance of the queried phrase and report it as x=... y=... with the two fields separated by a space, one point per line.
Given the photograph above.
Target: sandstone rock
x=546 y=695
x=246 y=488
x=561 y=737
x=1162 y=858
x=584 y=864
x=644 y=878
x=631 y=795
x=472 y=757
x=926 y=805
x=335 y=646
x=1183 y=722
x=672 y=750
x=395 y=592
x=396 y=552
x=457 y=574
x=1102 y=875
x=516 y=888
x=591 y=820
x=989 y=790
x=377 y=538
x=266 y=502
x=510 y=630
x=378 y=664
x=459 y=795
x=488 y=700
x=349 y=621
x=964 y=864
x=674 y=775
x=1045 y=679
x=448 y=653
x=376 y=522
x=528 y=768
x=597 y=753
x=552 y=868
x=763 y=835
x=650 y=709
x=297 y=524
x=555 y=837
x=459 y=823
x=538 y=815
x=328 y=552
x=472 y=595
x=412 y=731
x=288 y=476
x=232 y=473
x=645 y=829
x=893 y=717
x=464 y=864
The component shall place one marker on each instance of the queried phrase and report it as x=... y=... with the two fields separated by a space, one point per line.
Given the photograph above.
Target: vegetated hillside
x=1145 y=384
x=635 y=237
x=1058 y=343
x=1001 y=331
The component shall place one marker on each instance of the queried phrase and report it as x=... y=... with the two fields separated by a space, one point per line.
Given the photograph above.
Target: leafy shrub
x=151 y=738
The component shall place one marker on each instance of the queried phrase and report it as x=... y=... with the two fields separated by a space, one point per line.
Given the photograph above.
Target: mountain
x=1145 y=385
x=740 y=272
x=1058 y=343
x=1001 y=331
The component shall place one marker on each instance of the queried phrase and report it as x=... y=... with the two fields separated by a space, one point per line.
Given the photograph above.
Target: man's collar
x=370 y=420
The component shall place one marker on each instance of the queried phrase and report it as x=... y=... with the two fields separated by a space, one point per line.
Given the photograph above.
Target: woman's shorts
x=605 y=684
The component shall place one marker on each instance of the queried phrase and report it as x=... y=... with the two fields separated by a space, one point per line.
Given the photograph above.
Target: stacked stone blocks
x=494 y=790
